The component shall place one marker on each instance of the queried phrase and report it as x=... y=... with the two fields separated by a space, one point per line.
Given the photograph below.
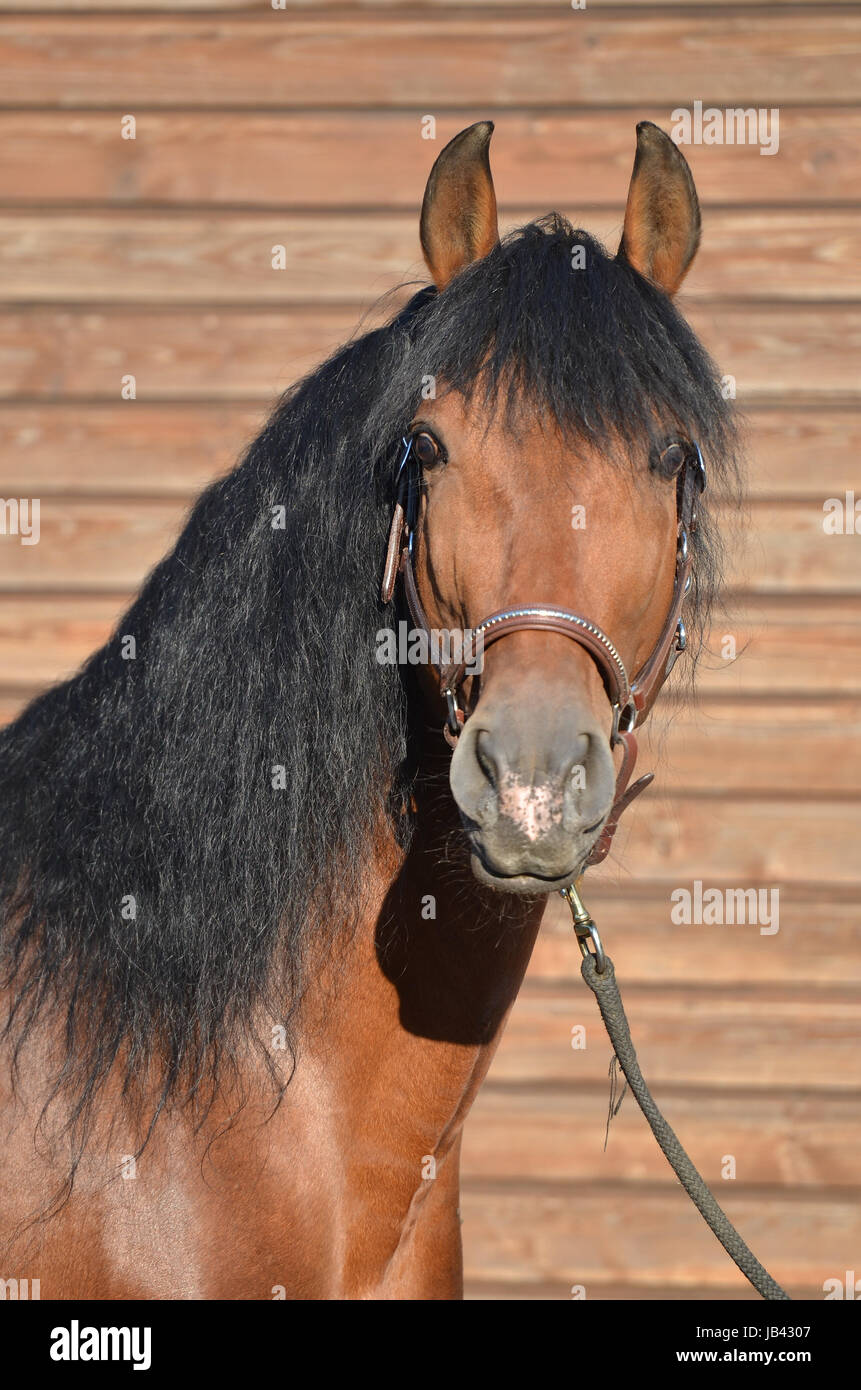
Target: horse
x=269 y=877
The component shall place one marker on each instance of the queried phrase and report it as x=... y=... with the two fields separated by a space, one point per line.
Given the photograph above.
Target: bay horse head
x=549 y=489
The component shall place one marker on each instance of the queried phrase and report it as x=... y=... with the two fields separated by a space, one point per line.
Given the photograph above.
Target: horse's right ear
x=458 y=223
x=662 y=218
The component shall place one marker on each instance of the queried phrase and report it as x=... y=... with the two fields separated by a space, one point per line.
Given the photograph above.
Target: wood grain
x=786 y=644
x=198 y=353
x=91 y=546
x=784 y=547
x=181 y=6
x=374 y=159
x=735 y=1037
x=717 y=745
x=289 y=60
x=793 y=352
x=132 y=449
x=556 y=1134
x=136 y=256
x=511 y=1291
x=582 y=1234
x=45 y=638
x=751 y=841
x=650 y=949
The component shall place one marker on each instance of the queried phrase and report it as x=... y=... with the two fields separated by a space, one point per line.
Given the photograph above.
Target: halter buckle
x=455 y=718
x=624 y=720
x=679 y=645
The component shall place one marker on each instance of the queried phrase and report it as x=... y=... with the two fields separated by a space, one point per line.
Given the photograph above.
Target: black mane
x=152 y=777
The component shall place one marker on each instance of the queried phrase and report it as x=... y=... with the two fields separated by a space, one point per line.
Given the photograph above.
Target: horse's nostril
x=485 y=758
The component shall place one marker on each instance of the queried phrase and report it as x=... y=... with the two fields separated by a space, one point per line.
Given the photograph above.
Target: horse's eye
x=427 y=450
x=670 y=460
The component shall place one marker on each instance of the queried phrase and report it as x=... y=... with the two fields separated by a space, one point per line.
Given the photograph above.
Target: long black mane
x=160 y=880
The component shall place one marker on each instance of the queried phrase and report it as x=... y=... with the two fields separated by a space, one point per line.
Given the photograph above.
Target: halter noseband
x=630 y=699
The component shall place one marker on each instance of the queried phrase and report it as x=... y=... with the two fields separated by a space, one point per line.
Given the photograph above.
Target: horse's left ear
x=662 y=218
x=458 y=223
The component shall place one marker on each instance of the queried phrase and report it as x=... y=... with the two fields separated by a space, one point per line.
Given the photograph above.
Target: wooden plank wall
x=302 y=127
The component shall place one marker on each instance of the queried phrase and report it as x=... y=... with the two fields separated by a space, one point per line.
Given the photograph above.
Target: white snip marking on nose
x=535 y=810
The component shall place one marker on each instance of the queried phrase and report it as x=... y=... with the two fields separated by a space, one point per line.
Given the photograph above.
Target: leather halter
x=630 y=699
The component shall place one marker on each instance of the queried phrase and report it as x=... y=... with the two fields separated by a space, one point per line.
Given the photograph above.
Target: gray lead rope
x=597 y=970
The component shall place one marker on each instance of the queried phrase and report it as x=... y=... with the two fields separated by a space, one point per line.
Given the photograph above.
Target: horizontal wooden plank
x=718 y=746
x=287 y=60
x=580 y=1235
x=135 y=255
x=374 y=158
x=736 y=1037
x=600 y=1290
x=785 y=546
x=785 y=646
x=132 y=448
x=196 y=353
x=762 y=840
x=636 y=924
x=803 y=352
x=790 y=352
x=99 y=544
x=93 y=545
x=556 y=1134
x=181 y=6
x=802 y=453
x=146 y=448
x=11 y=701
x=46 y=638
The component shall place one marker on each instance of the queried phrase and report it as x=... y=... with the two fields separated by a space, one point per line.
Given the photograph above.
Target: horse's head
x=554 y=479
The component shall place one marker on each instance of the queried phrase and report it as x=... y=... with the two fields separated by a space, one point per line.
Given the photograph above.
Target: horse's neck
x=402 y=1032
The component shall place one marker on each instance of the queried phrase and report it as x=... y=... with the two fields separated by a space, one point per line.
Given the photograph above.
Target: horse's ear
x=458 y=223
x=662 y=218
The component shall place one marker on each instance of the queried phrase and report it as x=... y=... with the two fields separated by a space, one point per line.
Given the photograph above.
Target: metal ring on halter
x=629 y=715
x=454 y=724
